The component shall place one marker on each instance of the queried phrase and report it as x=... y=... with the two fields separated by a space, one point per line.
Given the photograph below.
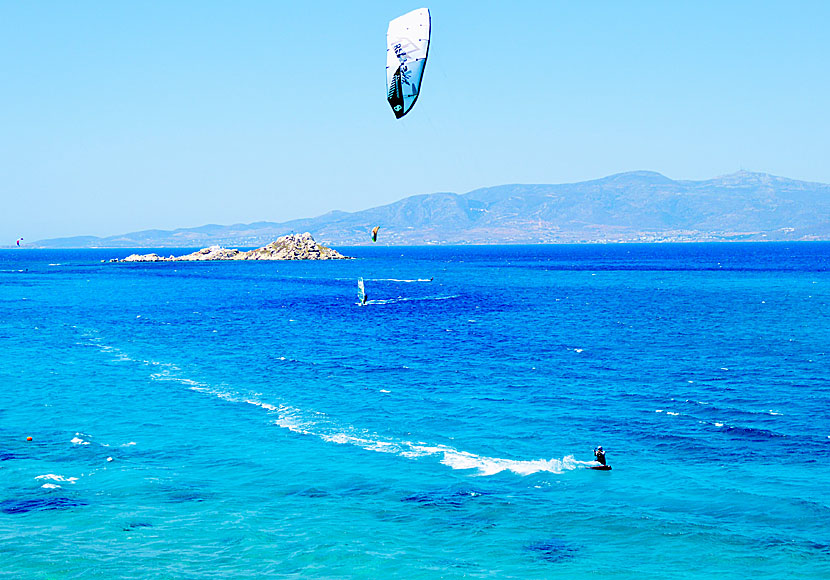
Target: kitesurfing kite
x=407 y=45
x=18 y=241
x=375 y=233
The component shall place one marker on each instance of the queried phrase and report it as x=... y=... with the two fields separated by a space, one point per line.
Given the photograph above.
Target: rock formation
x=290 y=247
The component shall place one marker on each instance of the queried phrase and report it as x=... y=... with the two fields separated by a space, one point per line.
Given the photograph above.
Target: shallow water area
x=227 y=419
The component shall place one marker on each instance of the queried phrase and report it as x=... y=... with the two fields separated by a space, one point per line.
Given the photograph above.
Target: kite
x=407 y=45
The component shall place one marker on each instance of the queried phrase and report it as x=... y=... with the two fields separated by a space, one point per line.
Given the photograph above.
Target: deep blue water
x=249 y=419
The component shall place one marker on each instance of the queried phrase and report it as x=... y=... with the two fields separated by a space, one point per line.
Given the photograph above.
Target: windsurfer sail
x=407 y=45
x=361 y=292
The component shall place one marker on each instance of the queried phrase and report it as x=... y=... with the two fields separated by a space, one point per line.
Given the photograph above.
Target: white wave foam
x=398 y=280
x=55 y=477
x=492 y=465
x=320 y=426
x=266 y=406
x=166 y=375
x=295 y=420
x=50 y=486
x=79 y=441
x=410 y=299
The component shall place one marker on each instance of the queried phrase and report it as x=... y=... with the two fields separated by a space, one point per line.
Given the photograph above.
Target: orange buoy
x=28 y=438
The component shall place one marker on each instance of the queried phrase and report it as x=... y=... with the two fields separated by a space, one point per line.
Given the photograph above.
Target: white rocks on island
x=290 y=247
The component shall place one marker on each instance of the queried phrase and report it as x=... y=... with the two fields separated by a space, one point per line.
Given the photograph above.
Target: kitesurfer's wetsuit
x=600 y=455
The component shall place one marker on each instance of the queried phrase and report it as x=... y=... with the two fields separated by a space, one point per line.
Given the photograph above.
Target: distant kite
x=18 y=241
x=374 y=233
x=407 y=45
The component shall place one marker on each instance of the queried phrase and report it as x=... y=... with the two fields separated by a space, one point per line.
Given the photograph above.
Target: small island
x=290 y=247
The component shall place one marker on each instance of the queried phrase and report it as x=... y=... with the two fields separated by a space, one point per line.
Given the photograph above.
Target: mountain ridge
x=634 y=206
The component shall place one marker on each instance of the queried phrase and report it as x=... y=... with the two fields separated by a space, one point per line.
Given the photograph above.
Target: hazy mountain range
x=639 y=206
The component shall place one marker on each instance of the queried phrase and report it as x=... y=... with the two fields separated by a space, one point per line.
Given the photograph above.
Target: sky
x=123 y=116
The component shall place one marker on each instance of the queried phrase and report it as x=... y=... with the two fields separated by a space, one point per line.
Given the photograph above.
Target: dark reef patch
x=22 y=506
x=553 y=550
x=136 y=526
x=451 y=499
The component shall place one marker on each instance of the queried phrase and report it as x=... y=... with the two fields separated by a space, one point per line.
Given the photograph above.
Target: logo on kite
x=407 y=46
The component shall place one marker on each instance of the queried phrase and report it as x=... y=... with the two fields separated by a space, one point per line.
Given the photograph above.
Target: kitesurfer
x=600 y=455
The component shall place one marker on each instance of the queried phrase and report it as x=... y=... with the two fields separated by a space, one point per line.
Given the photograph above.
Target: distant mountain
x=639 y=206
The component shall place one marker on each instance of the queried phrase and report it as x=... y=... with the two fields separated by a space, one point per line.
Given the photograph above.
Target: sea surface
x=251 y=419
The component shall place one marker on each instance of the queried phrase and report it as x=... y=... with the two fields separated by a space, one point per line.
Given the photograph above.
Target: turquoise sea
x=251 y=420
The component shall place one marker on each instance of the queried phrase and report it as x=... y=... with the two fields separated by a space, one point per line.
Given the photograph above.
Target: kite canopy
x=407 y=45
x=375 y=233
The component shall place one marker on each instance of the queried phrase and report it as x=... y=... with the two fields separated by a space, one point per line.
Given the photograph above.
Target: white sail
x=407 y=45
x=361 y=292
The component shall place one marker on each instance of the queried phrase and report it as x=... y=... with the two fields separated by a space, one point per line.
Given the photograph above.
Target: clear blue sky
x=120 y=116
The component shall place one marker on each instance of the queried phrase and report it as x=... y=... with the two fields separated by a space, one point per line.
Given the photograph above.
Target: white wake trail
x=320 y=425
